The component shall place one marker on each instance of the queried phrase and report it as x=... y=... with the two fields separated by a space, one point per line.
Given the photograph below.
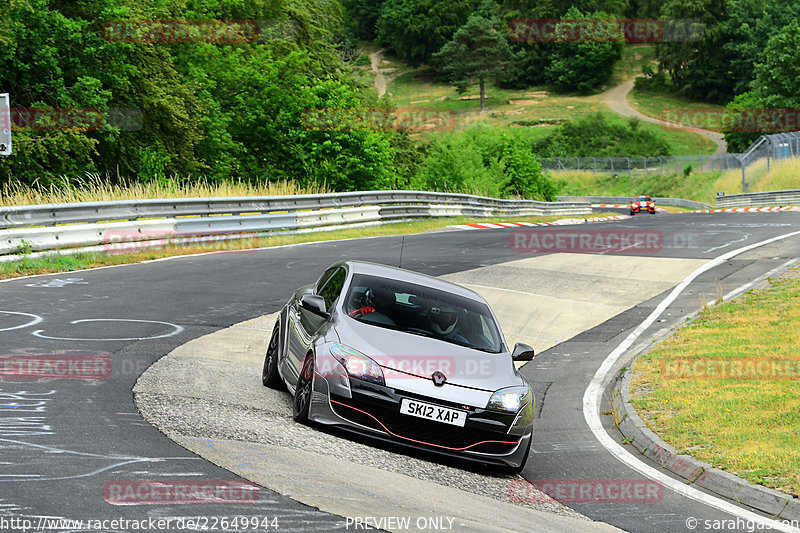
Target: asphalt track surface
x=62 y=441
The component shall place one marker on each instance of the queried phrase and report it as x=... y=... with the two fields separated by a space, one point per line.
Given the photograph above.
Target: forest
x=223 y=89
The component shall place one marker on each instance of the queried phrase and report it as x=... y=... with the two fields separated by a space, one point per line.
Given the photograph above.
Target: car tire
x=633 y=212
x=303 y=391
x=269 y=373
x=516 y=470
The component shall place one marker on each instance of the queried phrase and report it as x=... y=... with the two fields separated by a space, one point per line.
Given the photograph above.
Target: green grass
x=747 y=423
x=27 y=266
x=505 y=107
x=634 y=57
x=536 y=109
x=701 y=186
x=654 y=104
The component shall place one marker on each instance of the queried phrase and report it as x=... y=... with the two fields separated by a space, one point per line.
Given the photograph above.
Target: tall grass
x=783 y=174
x=699 y=186
x=94 y=188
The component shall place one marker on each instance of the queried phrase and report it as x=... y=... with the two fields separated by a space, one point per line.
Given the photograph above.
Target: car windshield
x=424 y=311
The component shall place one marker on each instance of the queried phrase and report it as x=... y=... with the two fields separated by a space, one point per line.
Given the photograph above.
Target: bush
x=597 y=136
x=651 y=81
x=483 y=160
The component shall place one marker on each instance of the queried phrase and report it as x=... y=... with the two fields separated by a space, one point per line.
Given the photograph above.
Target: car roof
x=400 y=274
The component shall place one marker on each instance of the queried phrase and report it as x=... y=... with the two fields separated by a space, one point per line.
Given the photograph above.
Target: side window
x=324 y=278
x=333 y=287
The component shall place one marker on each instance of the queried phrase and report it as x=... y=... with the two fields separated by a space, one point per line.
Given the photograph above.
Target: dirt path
x=617 y=99
x=380 y=80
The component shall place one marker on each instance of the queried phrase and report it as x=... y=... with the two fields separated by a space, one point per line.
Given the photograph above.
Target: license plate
x=433 y=412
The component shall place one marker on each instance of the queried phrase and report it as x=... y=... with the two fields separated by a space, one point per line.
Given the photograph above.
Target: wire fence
x=770 y=147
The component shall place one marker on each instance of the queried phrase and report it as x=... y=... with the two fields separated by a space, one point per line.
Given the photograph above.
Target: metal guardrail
x=760 y=199
x=55 y=214
x=123 y=224
x=673 y=202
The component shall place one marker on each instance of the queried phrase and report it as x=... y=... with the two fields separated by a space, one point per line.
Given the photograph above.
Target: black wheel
x=269 y=374
x=302 y=393
x=633 y=212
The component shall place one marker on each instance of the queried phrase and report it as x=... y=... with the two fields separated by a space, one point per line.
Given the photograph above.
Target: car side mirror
x=522 y=352
x=314 y=303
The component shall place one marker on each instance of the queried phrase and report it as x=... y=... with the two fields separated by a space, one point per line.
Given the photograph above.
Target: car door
x=305 y=325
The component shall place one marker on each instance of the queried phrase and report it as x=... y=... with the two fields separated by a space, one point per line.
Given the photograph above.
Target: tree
x=580 y=66
x=698 y=68
x=776 y=85
x=363 y=15
x=479 y=51
x=415 y=29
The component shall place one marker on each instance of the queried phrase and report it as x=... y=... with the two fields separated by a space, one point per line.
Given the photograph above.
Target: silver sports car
x=406 y=358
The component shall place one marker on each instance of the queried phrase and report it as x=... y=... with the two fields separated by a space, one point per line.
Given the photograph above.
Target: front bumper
x=489 y=437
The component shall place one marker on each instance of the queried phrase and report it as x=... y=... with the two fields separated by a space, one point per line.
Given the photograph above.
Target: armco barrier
x=43 y=228
x=673 y=202
x=760 y=199
x=54 y=214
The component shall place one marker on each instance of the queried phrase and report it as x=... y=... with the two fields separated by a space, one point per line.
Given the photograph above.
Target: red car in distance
x=643 y=203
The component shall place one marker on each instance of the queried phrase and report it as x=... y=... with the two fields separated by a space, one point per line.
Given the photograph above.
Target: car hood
x=409 y=360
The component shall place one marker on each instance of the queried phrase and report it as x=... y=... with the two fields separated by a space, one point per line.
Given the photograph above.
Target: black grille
x=426 y=431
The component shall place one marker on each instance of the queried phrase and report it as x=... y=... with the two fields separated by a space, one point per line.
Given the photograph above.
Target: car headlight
x=510 y=399
x=357 y=364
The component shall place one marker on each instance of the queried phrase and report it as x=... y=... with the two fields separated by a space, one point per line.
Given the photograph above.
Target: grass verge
x=28 y=266
x=726 y=388
x=654 y=104
x=698 y=186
